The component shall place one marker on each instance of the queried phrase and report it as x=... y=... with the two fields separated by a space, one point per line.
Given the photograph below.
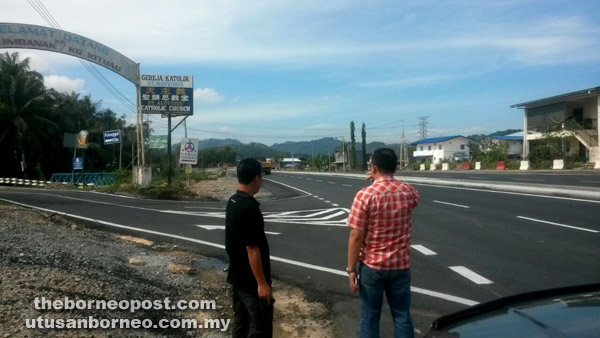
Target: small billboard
x=189 y=151
x=77 y=163
x=167 y=94
x=112 y=136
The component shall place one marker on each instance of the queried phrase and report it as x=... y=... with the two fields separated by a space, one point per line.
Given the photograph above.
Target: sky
x=276 y=71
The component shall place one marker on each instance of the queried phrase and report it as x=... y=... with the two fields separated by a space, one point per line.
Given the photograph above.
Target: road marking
x=204 y=208
x=435 y=294
x=508 y=193
x=528 y=179
x=558 y=224
x=222 y=227
x=319 y=181
x=326 y=201
x=347 y=185
x=309 y=179
x=477 y=178
x=470 y=275
x=589 y=181
x=456 y=205
x=335 y=204
x=289 y=186
x=423 y=250
x=330 y=182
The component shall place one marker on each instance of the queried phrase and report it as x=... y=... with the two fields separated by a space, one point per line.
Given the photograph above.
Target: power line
x=39 y=7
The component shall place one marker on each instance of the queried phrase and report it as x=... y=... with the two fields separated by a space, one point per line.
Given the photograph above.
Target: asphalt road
x=469 y=246
x=556 y=177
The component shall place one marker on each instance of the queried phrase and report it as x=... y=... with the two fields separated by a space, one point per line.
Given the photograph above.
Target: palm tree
x=24 y=107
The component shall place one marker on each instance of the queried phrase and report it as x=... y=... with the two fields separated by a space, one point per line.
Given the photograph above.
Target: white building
x=577 y=112
x=437 y=149
x=514 y=143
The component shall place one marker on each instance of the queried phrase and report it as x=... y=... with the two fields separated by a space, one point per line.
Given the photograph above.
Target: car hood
x=564 y=312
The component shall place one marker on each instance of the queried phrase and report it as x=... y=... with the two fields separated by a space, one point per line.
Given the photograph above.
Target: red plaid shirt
x=383 y=210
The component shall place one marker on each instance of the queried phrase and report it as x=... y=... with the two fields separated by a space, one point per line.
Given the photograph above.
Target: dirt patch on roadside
x=43 y=255
x=220 y=189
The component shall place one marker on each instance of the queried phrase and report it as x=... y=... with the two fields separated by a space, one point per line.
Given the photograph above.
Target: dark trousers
x=253 y=317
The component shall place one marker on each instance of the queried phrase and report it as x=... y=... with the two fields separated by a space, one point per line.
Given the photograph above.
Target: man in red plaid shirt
x=380 y=222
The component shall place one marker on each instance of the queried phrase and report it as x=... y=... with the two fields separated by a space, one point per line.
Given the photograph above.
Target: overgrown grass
x=159 y=188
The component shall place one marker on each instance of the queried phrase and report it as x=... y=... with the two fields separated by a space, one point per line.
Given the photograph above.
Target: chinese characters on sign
x=189 y=151
x=164 y=94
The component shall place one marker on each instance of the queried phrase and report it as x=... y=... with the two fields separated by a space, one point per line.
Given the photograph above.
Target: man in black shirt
x=248 y=251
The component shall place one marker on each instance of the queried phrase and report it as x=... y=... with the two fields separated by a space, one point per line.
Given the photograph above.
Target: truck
x=266 y=167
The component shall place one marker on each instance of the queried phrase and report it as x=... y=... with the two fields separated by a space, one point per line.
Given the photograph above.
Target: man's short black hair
x=386 y=160
x=247 y=170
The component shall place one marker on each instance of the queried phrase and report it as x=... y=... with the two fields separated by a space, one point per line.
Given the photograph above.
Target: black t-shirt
x=245 y=226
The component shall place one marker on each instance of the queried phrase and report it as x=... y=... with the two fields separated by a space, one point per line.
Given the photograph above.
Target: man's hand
x=265 y=293
x=369 y=175
x=353 y=281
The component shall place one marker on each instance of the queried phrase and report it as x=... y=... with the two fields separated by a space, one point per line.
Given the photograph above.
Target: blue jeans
x=396 y=284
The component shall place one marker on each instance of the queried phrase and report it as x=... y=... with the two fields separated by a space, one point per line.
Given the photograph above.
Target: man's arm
x=264 y=290
x=354 y=245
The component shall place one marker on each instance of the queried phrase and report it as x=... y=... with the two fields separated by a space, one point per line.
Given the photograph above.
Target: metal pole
x=120 y=149
x=343 y=154
x=169 y=149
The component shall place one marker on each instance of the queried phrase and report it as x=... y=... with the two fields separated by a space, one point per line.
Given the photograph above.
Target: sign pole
x=121 y=150
x=169 y=149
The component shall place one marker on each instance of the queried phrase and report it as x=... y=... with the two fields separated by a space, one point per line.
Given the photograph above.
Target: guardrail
x=97 y=179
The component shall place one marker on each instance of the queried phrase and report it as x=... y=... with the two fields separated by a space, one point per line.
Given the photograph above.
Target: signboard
x=158 y=141
x=82 y=142
x=77 y=163
x=112 y=137
x=189 y=151
x=18 y=35
x=164 y=94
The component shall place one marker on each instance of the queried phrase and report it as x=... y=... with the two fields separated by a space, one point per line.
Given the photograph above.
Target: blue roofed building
x=513 y=143
x=438 y=149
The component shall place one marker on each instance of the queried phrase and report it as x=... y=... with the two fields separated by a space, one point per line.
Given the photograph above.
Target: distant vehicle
x=266 y=167
x=460 y=156
x=570 y=312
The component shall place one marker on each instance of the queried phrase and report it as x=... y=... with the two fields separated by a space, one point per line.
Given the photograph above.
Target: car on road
x=569 y=312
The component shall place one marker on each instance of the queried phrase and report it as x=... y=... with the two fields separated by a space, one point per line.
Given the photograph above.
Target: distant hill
x=214 y=143
x=299 y=149
x=317 y=147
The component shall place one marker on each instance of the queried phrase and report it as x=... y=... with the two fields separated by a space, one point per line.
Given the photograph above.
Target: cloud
x=208 y=96
x=63 y=83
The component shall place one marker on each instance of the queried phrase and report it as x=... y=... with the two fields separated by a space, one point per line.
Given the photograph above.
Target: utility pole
x=343 y=154
x=423 y=125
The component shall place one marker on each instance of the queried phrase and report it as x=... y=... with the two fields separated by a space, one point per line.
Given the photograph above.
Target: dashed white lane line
x=289 y=186
x=423 y=250
x=558 y=224
x=431 y=293
x=309 y=179
x=326 y=201
x=222 y=227
x=335 y=204
x=452 y=204
x=319 y=180
x=347 y=185
x=330 y=182
x=470 y=275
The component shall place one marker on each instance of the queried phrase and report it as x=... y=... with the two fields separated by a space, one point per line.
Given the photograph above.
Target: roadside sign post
x=168 y=95
x=112 y=137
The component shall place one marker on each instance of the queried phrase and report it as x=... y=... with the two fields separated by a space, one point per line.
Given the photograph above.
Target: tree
x=352 y=147
x=24 y=109
x=364 y=146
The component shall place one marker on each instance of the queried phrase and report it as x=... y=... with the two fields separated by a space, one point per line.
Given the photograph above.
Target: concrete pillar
x=525 y=142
